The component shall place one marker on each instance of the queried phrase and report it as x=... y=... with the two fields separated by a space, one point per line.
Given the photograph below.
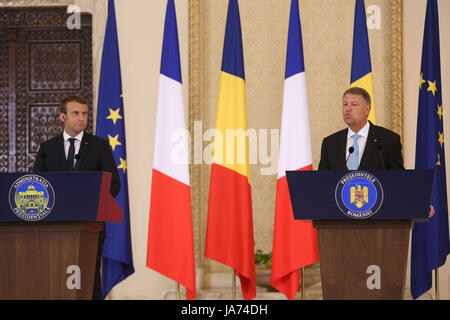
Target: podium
x=49 y=228
x=363 y=221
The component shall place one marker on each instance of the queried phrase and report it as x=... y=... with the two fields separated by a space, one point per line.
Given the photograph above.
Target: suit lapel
x=61 y=153
x=341 y=149
x=83 y=147
x=370 y=148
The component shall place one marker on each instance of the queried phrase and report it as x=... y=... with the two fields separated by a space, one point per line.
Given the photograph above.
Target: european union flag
x=117 y=254
x=430 y=241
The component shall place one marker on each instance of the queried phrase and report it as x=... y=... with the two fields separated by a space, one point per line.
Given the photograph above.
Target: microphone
x=77 y=162
x=380 y=156
x=350 y=151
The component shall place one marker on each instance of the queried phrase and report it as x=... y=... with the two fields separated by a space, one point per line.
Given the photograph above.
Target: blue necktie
x=353 y=159
x=71 y=154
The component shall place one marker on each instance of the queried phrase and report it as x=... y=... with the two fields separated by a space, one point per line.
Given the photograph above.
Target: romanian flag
x=229 y=233
x=430 y=241
x=117 y=262
x=361 y=66
x=170 y=249
x=294 y=242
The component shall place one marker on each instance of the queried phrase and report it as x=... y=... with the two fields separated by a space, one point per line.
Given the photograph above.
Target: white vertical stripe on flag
x=295 y=144
x=171 y=153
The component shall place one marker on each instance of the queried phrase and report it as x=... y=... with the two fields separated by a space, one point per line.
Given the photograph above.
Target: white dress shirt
x=364 y=133
x=77 y=143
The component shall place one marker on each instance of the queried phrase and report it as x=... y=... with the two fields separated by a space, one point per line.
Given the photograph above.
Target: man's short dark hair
x=73 y=97
x=361 y=92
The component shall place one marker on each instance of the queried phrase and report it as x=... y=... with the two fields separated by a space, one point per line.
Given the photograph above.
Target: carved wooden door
x=41 y=61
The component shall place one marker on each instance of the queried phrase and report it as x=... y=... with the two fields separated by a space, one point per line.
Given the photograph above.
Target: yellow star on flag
x=438 y=163
x=114 y=115
x=114 y=141
x=439 y=112
x=441 y=138
x=432 y=87
x=421 y=81
x=123 y=165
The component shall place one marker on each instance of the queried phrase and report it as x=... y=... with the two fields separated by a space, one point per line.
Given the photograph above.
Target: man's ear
x=63 y=117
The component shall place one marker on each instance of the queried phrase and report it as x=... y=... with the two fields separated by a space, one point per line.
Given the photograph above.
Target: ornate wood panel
x=41 y=61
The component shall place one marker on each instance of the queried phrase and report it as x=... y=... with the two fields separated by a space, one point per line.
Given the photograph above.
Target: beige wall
x=140 y=31
x=327 y=46
x=140 y=25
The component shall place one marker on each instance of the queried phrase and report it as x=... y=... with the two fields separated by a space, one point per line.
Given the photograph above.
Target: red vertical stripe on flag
x=295 y=243
x=229 y=237
x=170 y=239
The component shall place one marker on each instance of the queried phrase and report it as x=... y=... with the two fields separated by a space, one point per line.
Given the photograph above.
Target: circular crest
x=31 y=197
x=359 y=195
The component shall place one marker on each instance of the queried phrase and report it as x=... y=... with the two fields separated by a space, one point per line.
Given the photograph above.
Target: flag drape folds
x=170 y=248
x=229 y=234
x=430 y=241
x=294 y=242
x=117 y=262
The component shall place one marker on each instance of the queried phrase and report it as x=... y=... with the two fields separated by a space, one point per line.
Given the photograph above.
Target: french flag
x=170 y=249
x=294 y=242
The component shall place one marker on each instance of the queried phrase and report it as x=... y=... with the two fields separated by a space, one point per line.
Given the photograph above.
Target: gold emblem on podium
x=359 y=196
x=31 y=197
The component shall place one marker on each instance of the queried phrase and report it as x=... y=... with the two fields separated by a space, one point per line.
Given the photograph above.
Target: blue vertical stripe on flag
x=361 y=64
x=294 y=54
x=170 y=59
x=233 y=52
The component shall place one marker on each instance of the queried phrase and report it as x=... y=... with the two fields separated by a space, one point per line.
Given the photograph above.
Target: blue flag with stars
x=430 y=241
x=117 y=262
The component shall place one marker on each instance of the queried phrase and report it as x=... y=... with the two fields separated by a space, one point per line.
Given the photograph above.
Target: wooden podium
x=54 y=257
x=363 y=251
x=348 y=249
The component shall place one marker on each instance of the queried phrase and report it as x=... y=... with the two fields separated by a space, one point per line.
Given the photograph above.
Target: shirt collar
x=78 y=137
x=364 y=132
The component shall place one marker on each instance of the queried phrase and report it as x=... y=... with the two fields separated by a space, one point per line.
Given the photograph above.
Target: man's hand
x=431 y=212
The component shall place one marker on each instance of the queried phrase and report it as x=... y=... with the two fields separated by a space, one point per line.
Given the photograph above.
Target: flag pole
x=233 y=292
x=302 y=283
x=178 y=291
x=436 y=283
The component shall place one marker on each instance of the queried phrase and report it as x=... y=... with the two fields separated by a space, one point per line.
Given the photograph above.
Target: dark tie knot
x=72 y=140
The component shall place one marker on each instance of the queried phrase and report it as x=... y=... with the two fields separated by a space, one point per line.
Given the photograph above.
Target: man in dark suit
x=76 y=150
x=372 y=147
x=363 y=145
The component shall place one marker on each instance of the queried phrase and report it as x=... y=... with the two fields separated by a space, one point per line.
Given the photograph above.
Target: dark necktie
x=71 y=154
